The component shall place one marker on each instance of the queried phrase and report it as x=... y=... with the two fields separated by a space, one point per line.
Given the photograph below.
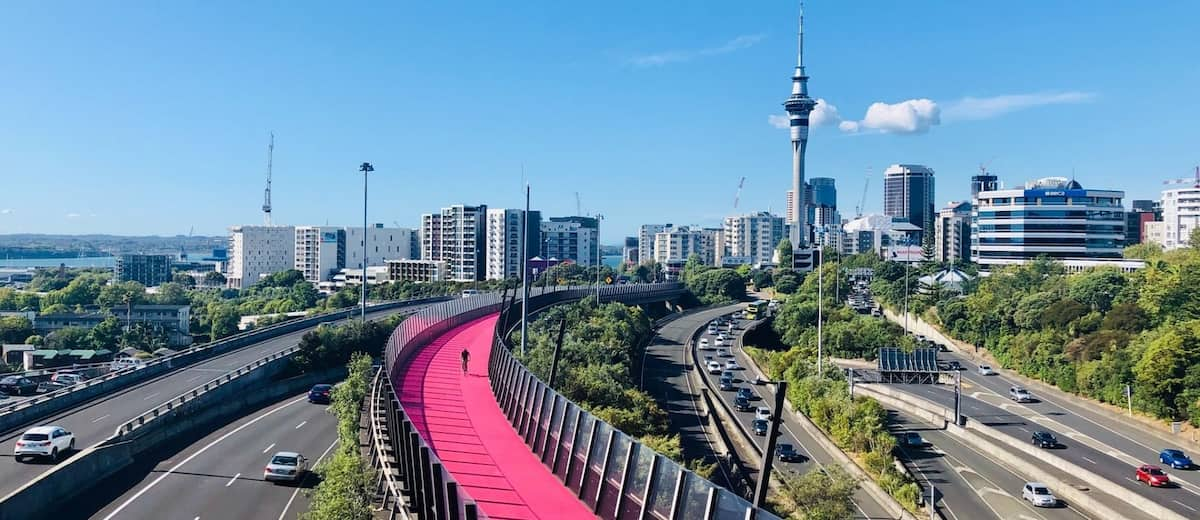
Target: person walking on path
x=466 y=356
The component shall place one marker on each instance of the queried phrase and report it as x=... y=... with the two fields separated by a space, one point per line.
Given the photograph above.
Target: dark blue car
x=1175 y=459
x=320 y=394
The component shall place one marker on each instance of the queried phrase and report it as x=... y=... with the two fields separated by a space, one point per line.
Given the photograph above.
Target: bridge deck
x=480 y=447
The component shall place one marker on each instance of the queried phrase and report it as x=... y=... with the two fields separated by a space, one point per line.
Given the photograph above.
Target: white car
x=1019 y=395
x=731 y=364
x=721 y=337
x=122 y=363
x=67 y=378
x=44 y=441
x=1038 y=494
x=703 y=343
x=287 y=466
x=986 y=370
x=714 y=367
x=723 y=353
x=763 y=413
x=719 y=342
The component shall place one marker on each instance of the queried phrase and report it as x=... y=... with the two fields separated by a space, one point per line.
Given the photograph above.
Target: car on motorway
x=703 y=343
x=123 y=363
x=737 y=315
x=746 y=393
x=49 y=442
x=285 y=466
x=742 y=404
x=912 y=440
x=727 y=384
x=713 y=367
x=986 y=370
x=1019 y=394
x=758 y=381
x=320 y=393
x=1038 y=494
x=1044 y=440
x=18 y=385
x=760 y=426
x=67 y=378
x=718 y=343
x=763 y=413
x=1175 y=459
x=731 y=364
x=723 y=353
x=787 y=453
x=953 y=365
x=729 y=374
x=1153 y=476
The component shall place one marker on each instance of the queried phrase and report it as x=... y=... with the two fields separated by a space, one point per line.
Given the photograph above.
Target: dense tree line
x=333 y=345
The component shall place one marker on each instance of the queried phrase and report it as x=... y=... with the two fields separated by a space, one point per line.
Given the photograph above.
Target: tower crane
x=1194 y=182
x=983 y=167
x=578 y=205
x=738 y=196
x=863 y=201
x=266 y=207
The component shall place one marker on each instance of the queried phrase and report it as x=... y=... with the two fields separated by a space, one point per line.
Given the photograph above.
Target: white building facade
x=1180 y=216
x=320 y=252
x=568 y=240
x=645 y=239
x=754 y=236
x=255 y=251
x=382 y=243
x=456 y=235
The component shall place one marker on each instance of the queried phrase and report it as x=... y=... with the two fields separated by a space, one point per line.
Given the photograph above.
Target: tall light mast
x=266 y=207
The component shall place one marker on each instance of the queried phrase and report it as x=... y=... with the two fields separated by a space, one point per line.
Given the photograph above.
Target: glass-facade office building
x=1052 y=217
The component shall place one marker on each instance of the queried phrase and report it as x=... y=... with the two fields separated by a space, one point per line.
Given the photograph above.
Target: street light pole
x=365 y=168
x=820 y=305
x=957 y=397
x=907 y=244
x=599 y=262
x=525 y=276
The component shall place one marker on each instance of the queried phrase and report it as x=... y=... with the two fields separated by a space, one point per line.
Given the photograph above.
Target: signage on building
x=328 y=237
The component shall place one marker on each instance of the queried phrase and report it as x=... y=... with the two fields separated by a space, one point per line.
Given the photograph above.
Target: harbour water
x=87 y=261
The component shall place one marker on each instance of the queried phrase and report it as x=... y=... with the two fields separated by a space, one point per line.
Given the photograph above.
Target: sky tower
x=798 y=107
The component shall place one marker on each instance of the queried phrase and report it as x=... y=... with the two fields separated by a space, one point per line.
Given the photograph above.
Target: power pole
x=764 y=476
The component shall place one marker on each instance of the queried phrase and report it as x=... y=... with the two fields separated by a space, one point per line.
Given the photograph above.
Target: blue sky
x=152 y=117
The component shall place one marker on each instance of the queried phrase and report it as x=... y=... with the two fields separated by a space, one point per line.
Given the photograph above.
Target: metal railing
x=418 y=482
x=383 y=460
x=611 y=472
x=211 y=349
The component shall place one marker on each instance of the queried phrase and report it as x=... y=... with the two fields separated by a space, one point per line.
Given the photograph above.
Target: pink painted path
x=458 y=416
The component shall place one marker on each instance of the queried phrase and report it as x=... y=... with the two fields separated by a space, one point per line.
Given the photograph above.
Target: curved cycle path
x=458 y=416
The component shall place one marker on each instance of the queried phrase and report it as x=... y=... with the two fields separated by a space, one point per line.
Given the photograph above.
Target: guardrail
x=156 y=366
x=608 y=470
x=418 y=481
x=383 y=460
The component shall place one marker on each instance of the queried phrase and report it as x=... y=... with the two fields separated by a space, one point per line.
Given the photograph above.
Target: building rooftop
x=1053 y=183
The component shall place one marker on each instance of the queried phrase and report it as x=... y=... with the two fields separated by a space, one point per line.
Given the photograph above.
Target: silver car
x=286 y=466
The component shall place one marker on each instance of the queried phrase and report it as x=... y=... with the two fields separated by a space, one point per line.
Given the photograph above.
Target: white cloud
x=824 y=114
x=972 y=108
x=6 y=211
x=663 y=58
x=73 y=215
x=913 y=116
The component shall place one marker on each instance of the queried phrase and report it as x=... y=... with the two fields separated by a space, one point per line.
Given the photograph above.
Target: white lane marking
x=302 y=423
x=1024 y=429
x=1087 y=459
x=283 y=513
x=174 y=468
x=149 y=397
x=189 y=381
x=1184 y=505
x=101 y=418
x=197 y=518
x=235 y=477
x=268 y=448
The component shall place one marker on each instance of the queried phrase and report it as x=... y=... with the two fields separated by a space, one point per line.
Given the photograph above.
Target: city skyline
x=145 y=112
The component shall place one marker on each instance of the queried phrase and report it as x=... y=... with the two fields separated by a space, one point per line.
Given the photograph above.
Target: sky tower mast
x=266 y=207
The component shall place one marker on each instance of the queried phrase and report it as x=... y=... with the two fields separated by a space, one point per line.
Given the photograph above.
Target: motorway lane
x=220 y=476
x=665 y=377
x=790 y=430
x=97 y=420
x=1125 y=442
x=970 y=485
x=1004 y=417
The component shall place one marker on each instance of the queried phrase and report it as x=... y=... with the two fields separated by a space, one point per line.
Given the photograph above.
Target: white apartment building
x=255 y=251
x=1154 y=232
x=503 y=242
x=646 y=240
x=952 y=233
x=676 y=244
x=1180 y=216
x=320 y=252
x=569 y=240
x=712 y=246
x=456 y=236
x=753 y=236
x=417 y=270
x=383 y=244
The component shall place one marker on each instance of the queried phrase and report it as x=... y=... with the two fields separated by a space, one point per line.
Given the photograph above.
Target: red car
x=1152 y=475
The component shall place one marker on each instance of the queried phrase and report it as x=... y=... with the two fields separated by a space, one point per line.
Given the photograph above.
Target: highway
x=96 y=420
x=220 y=476
x=969 y=484
x=790 y=430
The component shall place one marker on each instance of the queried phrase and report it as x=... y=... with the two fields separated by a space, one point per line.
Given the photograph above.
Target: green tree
x=68 y=338
x=223 y=319
x=784 y=252
x=171 y=294
x=717 y=285
x=692 y=268
x=105 y=334
x=35 y=339
x=304 y=294
x=56 y=308
x=824 y=494
x=14 y=329
x=214 y=278
x=121 y=295
x=786 y=281
x=184 y=279
x=1194 y=239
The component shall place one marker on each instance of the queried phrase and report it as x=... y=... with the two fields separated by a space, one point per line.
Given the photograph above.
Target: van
x=470 y=292
x=67 y=378
x=123 y=363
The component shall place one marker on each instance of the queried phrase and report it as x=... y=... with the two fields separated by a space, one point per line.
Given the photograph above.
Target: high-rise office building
x=952 y=230
x=148 y=270
x=456 y=236
x=255 y=251
x=983 y=182
x=320 y=252
x=1140 y=212
x=504 y=241
x=908 y=193
x=1054 y=217
x=752 y=238
x=570 y=238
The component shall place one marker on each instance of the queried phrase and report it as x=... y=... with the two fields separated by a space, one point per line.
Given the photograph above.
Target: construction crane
x=578 y=205
x=983 y=167
x=863 y=201
x=738 y=196
x=267 y=193
x=1195 y=182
